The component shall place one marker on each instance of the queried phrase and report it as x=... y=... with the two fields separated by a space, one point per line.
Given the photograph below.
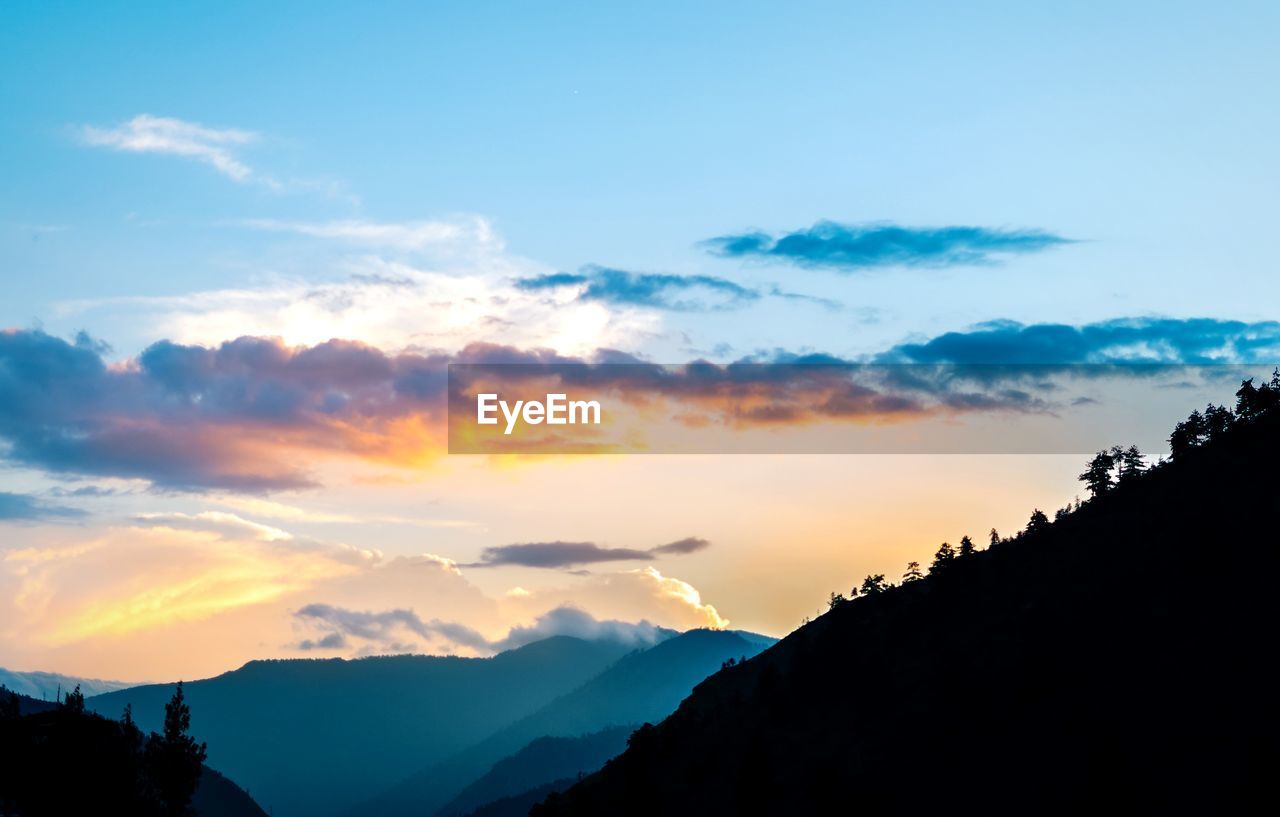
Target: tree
x=1132 y=463
x=942 y=559
x=994 y=538
x=913 y=573
x=874 y=584
x=1247 y=404
x=74 y=702
x=835 y=601
x=10 y=705
x=1097 y=477
x=1217 y=420
x=1038 y=521
x=966 y=547
x=175 y=759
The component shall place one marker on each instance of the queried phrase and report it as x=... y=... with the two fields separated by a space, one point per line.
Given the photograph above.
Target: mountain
x=546 y=759
x=54 y=763
x=646 y=685
x=48 y=685
x=26 y=704
x=312 y=737
x=1117 y=659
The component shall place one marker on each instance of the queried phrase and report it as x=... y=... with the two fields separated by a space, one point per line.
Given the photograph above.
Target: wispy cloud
x=405 y=235
x=1121 y=340
x=656 y=290
x=144 y=133
x=26 y=508
x=852 y=247
x=572 y=554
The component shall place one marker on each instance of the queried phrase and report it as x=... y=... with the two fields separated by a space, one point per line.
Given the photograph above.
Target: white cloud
x=408 y=235
x=145 y=133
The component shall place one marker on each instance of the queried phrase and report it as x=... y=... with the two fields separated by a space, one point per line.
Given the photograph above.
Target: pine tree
x=74 y=702
x=913 y=573
x=942 y=559
x=1038 y=521
x=966 y=547
x=1132 y=463
x=874 y=584
x=994 y=538
x=10 y=705
x=175 y=759
x=1097 y=477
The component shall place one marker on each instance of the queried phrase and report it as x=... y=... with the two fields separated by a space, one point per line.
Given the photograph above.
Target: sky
x=239 y=243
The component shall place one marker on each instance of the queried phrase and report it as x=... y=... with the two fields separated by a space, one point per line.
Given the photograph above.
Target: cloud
x=1121 y=340
x=383 y=631
x=383 y=627
x=409 y=235
x=683 y=293
x=25 y=508
x=851 y=247
x=572 y=554
x=216 y=147
x=689 y=544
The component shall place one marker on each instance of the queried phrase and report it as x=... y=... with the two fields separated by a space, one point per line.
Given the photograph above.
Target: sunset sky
x=239 y=246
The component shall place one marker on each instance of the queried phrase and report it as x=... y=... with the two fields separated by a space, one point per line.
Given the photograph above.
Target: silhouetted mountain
x=518 y=805
x=1118 y=659
x=645 y=685
x=545 y=759
x=26 y=704
x=311 y=737
x=56 y=763
x=48 y=685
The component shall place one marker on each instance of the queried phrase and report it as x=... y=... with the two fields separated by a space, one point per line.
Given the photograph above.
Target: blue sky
x=593 y=135
x=276 y=222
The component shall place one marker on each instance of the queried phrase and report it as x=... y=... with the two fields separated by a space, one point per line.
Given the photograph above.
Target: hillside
x=55 y=763
x=310 y=737
x=545 y=760
x=48 y=685
x=644 y=685
x=1116 y=659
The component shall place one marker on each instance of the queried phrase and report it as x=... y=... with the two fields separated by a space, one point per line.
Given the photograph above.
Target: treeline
x=69 y=761
x=1106 y=471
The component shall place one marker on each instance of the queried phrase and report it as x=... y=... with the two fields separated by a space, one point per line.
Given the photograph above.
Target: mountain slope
x=55 y=762
x=1118 y=659
x=48 y=685
x=310 y=737
x=645 y=685
x=544 y=760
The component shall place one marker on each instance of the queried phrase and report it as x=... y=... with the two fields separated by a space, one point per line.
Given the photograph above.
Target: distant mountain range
x=1118 y=659
x=311 y=738
x=645 y=685
x=47 y=686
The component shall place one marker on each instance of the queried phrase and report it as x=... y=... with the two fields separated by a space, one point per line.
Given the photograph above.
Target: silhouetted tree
x=174 y=757
x=966 y=547
x=835 y=601
x=1247 y=403
x=913 y=573
x=1038 y=521
x=1132 y=463
x=874 y=584
x=994 y=538
x=942 y=559
x=10 y=705
x=1217 y=420
x=74 y=702
x=1097 y=477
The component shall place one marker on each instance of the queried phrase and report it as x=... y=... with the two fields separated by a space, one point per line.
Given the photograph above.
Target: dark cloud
x=381 y=628
x=657 y=290
x=850 y=247
x=1122 y=340
x=25 y=508
x=689 y=544
x=373 y=632
x=573 y=554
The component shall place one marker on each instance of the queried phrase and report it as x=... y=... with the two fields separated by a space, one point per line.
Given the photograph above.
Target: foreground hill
x=644 y=685
x=310 y=737
x=1118 y=659
x=56 y=763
